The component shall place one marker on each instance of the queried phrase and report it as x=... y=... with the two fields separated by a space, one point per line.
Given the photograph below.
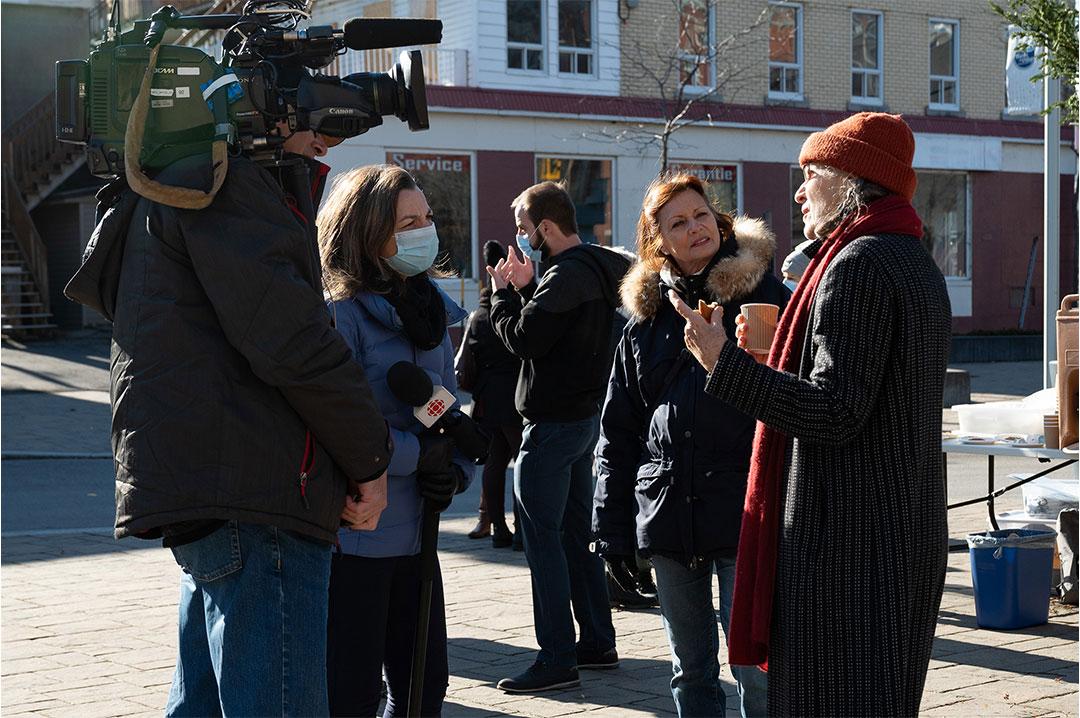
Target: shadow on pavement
x=638 y=682
x=21 y=549
x=1004 y=658
x=454 y=710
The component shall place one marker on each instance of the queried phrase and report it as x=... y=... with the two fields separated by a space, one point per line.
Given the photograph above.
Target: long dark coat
x=863 y=534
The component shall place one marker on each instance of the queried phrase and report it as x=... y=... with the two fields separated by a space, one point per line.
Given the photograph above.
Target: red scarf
x=755 y=569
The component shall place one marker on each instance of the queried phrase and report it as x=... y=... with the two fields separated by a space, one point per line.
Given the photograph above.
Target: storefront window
x=589 y=184
x=941 y=201
x=447 y=183
x=723 y=183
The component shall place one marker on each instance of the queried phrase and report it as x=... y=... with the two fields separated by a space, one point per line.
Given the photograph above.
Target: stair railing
x=26 y=234
x=31 y=148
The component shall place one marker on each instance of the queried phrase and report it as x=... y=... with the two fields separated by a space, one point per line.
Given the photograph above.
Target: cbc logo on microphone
x=436 y=408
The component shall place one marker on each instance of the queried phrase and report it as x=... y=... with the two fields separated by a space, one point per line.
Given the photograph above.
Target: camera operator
x=240 y=422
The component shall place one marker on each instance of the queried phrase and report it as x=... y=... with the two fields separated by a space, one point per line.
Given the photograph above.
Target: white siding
x=459 y=30
x=479 y=27
x=336 y=12
x=490 y=61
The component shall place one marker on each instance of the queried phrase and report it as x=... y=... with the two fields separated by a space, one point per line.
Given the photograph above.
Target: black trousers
x=505 y=443
x=372 y=619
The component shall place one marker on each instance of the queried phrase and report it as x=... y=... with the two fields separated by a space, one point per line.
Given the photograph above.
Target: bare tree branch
x=679 y=99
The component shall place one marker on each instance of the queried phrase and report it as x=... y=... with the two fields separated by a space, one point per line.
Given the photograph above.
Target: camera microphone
x=362 y=33
x=411 y=384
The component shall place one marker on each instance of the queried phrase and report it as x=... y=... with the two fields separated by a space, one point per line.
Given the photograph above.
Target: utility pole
x=1051 y=223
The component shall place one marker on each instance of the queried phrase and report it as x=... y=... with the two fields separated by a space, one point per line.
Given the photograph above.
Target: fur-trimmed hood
x=731 y=278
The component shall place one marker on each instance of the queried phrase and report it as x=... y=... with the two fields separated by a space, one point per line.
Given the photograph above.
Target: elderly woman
x=843 y=545
x=671 y=461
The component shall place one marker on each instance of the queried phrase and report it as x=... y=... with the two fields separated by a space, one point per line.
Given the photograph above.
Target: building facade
x=525 y=90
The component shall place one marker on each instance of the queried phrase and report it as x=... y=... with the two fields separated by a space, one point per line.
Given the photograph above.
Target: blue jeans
x=686 y=604
x=553 y=483
x=253 y=602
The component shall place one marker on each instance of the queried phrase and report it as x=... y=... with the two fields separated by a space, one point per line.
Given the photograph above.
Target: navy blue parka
x=672 y=462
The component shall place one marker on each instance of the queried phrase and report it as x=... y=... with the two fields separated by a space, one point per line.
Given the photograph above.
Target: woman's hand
x=742 y=341
x=704 y=338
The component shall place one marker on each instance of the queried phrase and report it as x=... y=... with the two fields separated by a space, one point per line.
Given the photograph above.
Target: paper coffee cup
x=760 y=325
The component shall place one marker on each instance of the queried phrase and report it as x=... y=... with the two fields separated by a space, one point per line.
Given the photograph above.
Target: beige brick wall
x=651 y=30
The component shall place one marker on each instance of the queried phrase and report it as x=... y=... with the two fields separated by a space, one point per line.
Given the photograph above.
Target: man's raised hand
x=519 y=271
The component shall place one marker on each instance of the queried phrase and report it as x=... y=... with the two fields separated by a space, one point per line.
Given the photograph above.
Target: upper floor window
x=696 y=43
x=944 y=64
x=576 y=53
x=866 y=57
x=785 y=51
x=525 y=35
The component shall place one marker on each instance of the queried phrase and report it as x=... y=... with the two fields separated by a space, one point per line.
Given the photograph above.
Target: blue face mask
x=526 y=248
x=791 y=284
x=416 y=251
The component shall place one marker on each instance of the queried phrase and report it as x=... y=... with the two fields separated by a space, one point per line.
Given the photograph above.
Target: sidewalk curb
x=44 y=455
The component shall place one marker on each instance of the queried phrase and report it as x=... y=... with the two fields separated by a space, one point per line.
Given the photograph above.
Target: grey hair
x=855 y=194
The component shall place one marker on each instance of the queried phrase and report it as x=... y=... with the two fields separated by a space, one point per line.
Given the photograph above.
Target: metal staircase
x=35 y=164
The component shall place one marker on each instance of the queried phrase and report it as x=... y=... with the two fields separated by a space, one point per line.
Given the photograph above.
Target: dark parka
x=232 y=395
x=672 y=463
x=496 y=370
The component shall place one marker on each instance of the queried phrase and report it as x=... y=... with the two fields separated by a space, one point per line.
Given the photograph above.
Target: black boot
x=622 y=586
x=501 y=536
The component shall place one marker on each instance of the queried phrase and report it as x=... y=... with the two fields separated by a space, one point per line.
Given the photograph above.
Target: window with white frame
x=785 y=51
x=941 y=199
x=525 y=35
x=577 y=55
x=944 y=64
x=866 y=57
x=696 y=43
x=446 y=178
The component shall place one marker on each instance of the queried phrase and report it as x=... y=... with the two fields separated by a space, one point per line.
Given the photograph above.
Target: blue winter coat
x=672 y=462
x=372 y=328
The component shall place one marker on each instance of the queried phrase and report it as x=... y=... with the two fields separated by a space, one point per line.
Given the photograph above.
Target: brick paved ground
x=87 y=624
x=89 y=631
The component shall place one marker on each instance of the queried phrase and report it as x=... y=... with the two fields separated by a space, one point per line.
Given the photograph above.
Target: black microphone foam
x=368 y=33
x=410 y=383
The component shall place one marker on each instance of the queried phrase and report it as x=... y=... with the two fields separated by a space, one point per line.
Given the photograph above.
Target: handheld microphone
x=411 y=384
x=363 y=33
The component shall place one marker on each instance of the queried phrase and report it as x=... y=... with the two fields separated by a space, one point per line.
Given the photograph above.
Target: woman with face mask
x=378 y=245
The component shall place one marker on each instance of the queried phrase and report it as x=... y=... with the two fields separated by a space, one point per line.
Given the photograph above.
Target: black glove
x=622 y=570
x=439 y=478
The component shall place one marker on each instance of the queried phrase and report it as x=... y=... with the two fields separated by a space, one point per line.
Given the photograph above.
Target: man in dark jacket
x=240 y=423
x=561 y=330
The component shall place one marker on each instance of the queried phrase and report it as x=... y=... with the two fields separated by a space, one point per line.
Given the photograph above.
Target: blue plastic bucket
x=1010 y=571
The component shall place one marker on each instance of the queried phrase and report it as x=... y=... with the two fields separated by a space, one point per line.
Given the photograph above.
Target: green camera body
x=96 y=96
x=264 y=79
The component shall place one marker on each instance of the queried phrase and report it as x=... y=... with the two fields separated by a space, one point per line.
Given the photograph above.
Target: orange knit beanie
x=872 y=145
